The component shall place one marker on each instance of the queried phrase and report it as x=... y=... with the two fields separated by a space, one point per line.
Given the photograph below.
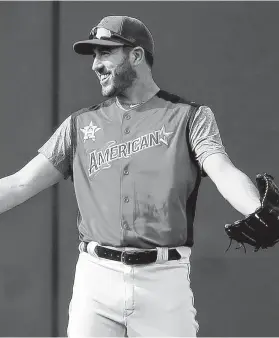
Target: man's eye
x=105 y=52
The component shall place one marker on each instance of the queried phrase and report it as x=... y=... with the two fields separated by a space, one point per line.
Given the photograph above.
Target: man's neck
x=138 y=93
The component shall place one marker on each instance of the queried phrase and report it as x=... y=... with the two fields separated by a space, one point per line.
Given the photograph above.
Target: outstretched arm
x=34 y=177
x=51 y=165
x=235 y=186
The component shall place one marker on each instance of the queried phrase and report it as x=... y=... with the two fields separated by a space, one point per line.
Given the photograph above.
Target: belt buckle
x=123 y=257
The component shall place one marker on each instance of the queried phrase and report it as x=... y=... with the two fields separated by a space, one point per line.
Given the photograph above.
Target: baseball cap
x=117 y=31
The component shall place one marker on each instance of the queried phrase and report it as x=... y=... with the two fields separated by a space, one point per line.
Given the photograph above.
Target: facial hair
x=123 y=77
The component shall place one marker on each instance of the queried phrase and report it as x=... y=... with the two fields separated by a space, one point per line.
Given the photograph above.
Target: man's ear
x=137 y=56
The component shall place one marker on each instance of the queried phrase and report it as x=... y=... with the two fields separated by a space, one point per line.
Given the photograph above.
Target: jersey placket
x=126 y=204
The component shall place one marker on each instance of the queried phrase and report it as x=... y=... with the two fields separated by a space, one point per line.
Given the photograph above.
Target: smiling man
x=136 y=160
x=115 y=75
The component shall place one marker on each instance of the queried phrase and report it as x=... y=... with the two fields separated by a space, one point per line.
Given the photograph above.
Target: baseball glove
x=261 y=228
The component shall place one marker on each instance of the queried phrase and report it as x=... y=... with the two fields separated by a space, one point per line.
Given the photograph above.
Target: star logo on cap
x=89 y=132
x=164 y=136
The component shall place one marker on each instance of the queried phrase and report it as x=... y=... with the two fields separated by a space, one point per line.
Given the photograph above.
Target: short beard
x=122 y=79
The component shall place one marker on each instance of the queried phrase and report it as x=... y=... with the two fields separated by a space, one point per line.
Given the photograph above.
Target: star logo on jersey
x=164 y=136
x=89 y=132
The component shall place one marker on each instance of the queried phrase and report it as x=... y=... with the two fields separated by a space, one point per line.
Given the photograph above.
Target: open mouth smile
x=104 y=78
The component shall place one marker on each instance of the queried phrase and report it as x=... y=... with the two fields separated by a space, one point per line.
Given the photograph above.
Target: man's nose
x=97 y=64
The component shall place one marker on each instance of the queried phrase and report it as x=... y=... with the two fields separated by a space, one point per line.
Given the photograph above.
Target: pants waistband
x=131 y=256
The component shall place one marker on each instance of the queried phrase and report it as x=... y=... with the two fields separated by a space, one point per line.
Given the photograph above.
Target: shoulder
x=95 y=107
x=176 y=99
x=204 y=113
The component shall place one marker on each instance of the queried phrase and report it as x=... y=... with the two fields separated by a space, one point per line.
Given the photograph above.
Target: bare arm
x=34 y=177
x=233 y=184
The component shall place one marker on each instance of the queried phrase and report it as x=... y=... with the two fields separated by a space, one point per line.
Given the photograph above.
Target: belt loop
x=91 y=248
x=81 y=247
x=162 y=254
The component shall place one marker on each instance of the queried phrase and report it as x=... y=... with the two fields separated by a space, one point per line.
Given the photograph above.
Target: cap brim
x=86 y=47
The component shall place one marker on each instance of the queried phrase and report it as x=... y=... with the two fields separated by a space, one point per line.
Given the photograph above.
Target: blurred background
x=222 y=54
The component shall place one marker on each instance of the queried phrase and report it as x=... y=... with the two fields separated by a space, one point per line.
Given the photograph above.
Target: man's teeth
x=104 y=77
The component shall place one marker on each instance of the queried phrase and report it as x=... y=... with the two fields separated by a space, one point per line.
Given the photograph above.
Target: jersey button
x=126 y=199
x=127 y=131
x=127 y=116
x=126 y=172
x=125 y=225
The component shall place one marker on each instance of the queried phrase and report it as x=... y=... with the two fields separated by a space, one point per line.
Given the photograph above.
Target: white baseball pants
x=113 y=299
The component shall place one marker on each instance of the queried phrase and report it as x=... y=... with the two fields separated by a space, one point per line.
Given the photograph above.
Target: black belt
x=132 y=257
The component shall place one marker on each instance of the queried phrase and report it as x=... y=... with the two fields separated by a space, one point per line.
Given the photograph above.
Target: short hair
x=148 y=56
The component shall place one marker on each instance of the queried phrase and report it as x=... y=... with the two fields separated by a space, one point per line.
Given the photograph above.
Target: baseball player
x=136 y=161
